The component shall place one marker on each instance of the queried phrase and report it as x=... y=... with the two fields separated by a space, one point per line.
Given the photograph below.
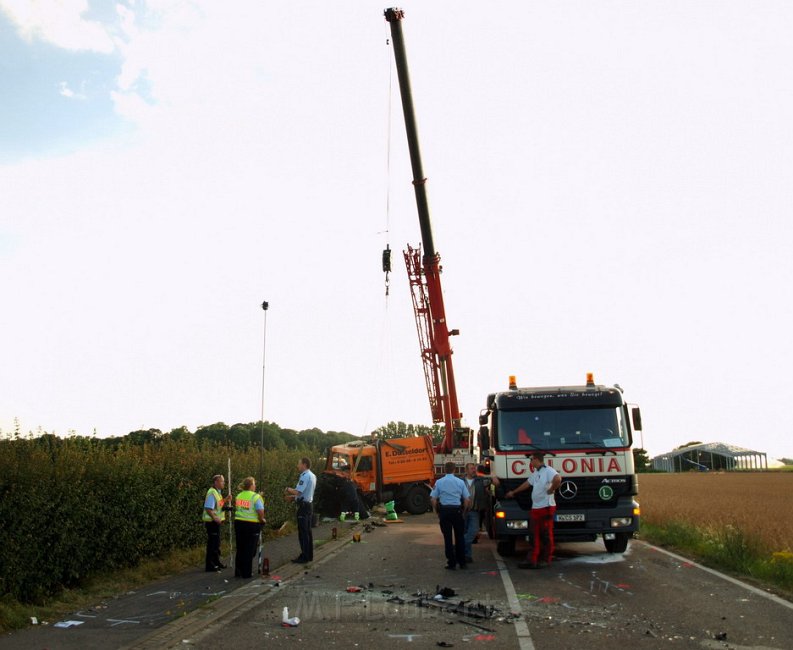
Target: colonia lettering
x=599 y=465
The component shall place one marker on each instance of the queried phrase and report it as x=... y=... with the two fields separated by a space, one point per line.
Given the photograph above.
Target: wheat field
x=758 y=504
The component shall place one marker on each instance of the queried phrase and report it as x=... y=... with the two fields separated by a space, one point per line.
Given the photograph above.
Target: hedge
x=72 y=508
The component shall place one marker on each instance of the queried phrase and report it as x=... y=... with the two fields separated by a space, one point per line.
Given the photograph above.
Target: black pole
x=394 y=16
x=265 y=305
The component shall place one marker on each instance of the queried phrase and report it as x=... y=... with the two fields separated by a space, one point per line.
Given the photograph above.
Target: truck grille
x=580 y=492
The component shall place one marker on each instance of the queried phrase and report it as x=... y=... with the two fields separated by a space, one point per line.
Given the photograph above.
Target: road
x=646 y=598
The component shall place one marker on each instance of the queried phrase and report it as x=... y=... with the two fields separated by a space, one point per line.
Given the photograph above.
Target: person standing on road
x=450 y=499
x=248 y=520
x=477 y=487
x=303 y=494
x=213 y=517
x=544 y=481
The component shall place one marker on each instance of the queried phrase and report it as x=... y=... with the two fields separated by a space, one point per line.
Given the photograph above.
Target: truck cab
x=586 y=433
x=400 y=470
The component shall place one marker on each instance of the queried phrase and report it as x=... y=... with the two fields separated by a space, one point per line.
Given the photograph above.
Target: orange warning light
x=513 y=382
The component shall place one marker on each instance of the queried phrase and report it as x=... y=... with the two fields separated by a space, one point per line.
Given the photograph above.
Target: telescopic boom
x=425 y=272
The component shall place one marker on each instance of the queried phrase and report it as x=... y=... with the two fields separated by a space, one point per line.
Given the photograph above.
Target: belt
x=455 y=507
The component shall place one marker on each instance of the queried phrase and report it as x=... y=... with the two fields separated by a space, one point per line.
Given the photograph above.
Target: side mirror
x=484 y=437
x=636 y=414
x=483 y=419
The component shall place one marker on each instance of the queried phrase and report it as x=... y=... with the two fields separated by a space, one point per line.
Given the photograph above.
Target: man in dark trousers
x=480 y=498
x=213 y=517
x=303 y=494
x=451 y=499
x=248 y=520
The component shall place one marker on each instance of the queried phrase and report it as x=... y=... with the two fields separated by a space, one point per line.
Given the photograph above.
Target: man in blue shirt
x=450 y=499
x=303 y=494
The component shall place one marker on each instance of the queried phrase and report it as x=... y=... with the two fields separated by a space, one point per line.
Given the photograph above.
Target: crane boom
x=424 y=272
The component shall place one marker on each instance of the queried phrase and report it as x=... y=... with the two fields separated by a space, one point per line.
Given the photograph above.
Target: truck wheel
x=506 y=547
x=618 y=544
x=417 y=500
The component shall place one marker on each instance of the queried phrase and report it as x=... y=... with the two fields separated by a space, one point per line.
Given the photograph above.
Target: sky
x=610 y=187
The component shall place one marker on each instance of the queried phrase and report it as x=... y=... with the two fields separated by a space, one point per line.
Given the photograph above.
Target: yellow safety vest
x=205 y=516
x=245 y=506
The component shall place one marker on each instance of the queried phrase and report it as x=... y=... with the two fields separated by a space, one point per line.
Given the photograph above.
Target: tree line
x=268 y=435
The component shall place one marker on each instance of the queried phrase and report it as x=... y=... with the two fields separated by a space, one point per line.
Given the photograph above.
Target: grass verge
x=15 y=615
x=725 y=548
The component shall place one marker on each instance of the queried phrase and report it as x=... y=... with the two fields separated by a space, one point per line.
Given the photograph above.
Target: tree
x=142 y=436
x=641 y=460
x=180 y=434
x=402 y=430
x=786 y=461
x=217 y=432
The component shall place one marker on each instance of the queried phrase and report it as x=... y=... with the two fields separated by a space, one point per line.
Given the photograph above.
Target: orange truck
x=400 y=470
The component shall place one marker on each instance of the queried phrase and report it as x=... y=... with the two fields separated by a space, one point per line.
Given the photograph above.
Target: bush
x=76 y=507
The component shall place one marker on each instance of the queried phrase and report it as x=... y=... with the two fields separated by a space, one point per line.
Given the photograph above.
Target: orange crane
x=424 y=274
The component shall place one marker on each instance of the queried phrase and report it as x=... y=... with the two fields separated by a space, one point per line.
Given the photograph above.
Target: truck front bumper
x=571 y=524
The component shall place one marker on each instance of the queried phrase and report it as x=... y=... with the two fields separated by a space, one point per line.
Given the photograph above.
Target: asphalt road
x=646 y=598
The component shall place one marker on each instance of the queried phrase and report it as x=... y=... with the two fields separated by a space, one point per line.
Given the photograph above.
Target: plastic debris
x=34 y=620
x=286 y=621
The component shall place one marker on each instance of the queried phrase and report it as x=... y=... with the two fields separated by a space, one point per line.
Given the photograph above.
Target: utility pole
x=265 y=306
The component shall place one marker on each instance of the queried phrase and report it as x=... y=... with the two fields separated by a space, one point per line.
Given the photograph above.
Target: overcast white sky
x=610 y=185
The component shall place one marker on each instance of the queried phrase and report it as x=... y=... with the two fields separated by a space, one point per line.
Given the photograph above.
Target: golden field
x=758 y=504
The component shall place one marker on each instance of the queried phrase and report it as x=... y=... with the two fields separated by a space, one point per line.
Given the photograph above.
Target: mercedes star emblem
x=568 y=489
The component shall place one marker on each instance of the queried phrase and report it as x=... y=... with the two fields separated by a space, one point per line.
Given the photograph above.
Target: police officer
x=303 y=494
x=213 y=517
x=451 y=499
x=248 y=520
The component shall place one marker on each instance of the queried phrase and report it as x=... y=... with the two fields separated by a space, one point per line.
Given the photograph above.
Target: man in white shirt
x=544 y=481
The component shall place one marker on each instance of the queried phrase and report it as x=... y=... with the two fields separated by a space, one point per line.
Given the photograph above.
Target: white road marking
x=521 y=627
x=119 y=621
x=754 y=590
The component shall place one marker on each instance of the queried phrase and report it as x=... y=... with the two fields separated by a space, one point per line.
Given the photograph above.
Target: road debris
x=287 y=621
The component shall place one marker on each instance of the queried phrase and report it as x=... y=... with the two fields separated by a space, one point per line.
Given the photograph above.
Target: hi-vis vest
x=245 y=506
x=218 y=505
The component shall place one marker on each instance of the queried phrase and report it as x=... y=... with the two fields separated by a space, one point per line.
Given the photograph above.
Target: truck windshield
x=345 y=463
x=561 y=429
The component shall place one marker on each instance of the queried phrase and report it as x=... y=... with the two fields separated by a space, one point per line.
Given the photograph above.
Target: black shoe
x=528 y=565
x=450 y=567
x=222 y=566
x=212 y=569
x=299 y=560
